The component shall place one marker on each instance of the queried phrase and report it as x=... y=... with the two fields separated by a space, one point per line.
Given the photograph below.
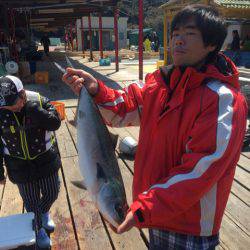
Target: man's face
x=15 y=107
x=187 y=47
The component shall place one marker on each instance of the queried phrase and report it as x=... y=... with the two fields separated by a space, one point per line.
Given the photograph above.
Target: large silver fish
x=98 y=163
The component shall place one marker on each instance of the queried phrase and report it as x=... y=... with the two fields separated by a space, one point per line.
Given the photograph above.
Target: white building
x=107 y=32
x=243 y=28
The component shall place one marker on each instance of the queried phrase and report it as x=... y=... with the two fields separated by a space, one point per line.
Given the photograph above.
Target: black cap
x=10 y=86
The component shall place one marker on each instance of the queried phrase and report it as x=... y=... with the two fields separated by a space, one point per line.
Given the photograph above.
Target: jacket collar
x=180 y=80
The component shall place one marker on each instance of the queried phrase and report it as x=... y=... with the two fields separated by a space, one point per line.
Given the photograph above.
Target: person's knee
x=53 y=195
x=51 y=192
x=56 y=193
x=50 y=198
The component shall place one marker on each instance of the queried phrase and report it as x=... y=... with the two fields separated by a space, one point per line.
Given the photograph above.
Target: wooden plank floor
x=80 y=226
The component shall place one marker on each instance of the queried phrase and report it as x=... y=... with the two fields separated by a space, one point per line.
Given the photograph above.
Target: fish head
x=112 y=202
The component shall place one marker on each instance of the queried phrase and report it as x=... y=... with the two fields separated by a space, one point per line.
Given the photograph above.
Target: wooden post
x=71 y=38
x=90 y=38
x=65 y=39
x=116 y=39
x=76 y=36
x=82 y=35
x=167 y=37
x=140 y=8
x=100 y=36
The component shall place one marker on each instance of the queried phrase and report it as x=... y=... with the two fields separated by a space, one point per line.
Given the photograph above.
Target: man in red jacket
x=192 y=120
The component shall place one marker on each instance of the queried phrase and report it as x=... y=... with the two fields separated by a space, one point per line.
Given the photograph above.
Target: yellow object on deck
x=147 y=45
x=42 y=77
x=60 y=107
x=159 y=64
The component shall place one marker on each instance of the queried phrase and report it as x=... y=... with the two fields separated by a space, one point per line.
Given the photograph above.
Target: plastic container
x=17 y=230
x=159 y=64
x=11 y=67
x=24 y=69
x=128 y=146
x=42 y=77
x=104 y=62
x=60 y=107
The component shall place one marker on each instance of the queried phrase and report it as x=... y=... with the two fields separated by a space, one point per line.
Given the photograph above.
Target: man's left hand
x=127 y=224
x=32 y=108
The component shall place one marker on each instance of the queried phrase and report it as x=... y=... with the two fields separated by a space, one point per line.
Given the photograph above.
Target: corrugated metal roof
x=53 y=12
x=238 y=4
x=241 y=4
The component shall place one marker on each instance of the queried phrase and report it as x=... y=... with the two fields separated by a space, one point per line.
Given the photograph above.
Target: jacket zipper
x=171 y=94
x=22 y=139
x=25 y=140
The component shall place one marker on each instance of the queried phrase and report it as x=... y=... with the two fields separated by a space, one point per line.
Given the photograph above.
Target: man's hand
x=127 y=224
x=76 y=78
x=32 y=108
x=34 y=115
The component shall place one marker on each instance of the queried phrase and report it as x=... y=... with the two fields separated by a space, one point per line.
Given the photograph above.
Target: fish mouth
x=112 y=204
x=121 y=211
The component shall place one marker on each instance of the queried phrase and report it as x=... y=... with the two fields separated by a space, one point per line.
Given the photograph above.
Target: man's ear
x=211 y=48
x=22 y=94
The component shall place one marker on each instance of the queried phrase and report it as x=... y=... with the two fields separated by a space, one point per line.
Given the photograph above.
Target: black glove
x=32 y=108
x=44 y=117
x=34 y=113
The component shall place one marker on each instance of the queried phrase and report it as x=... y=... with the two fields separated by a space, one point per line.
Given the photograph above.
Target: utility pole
x=140 y=14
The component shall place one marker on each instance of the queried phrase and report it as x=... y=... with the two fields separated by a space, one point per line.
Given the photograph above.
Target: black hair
x=236 y=33
x=209 y=23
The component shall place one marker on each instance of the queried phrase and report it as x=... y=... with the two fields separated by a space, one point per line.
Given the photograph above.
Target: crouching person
x=29 y=151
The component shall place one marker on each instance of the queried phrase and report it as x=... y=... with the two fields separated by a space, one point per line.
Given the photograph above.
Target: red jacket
x=191 y=133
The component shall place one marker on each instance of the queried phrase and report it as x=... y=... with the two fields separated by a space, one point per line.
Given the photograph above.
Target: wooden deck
x=80 y=226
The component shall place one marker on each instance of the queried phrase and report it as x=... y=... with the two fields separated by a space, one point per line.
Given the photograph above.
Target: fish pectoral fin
x=79 y=184
x=114 y=139
x=73 y=122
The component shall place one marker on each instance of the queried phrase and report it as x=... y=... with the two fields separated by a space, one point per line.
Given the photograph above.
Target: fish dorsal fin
x=100 y=172
x=79 y=184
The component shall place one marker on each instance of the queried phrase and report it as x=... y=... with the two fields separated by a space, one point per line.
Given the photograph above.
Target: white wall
x=230 y=28
x=107 y=24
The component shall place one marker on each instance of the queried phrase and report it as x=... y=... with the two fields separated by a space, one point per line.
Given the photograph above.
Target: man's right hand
x=76 y=78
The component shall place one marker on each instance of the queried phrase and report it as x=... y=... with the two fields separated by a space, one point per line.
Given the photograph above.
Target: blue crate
x=104 y=62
